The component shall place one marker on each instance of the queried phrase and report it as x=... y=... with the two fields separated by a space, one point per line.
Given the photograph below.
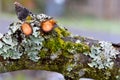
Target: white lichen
x=53 y=56
x=1 y=35
x=42 y=17
x=102 y=55
x=78 y=41
x=14 y=27
x=81 y=72
x=70 y=68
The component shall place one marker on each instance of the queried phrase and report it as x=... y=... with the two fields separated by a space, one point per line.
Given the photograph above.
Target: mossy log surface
x=60 y=51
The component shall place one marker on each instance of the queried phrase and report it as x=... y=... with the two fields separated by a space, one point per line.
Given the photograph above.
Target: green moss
x=62 y=32
x=101 y=74
x=53 y=44
x=73 y=48
x=43 y=53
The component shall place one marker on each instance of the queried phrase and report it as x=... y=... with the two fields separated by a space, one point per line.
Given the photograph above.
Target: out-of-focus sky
x=99 y=19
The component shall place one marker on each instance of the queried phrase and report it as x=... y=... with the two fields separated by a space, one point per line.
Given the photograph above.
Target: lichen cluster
x=14 y=44
x=102 y=55
x=9 y=45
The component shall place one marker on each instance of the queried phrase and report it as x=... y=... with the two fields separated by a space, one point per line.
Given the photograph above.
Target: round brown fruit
x=26 y=29
x=47 y=26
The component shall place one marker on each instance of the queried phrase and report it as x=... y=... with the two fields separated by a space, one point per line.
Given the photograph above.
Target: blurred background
x=99 y=19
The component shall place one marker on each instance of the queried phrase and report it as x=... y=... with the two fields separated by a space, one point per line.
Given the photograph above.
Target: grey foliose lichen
x=102 y=55
x=9 y=47
x=14 y=44
x=33 y=44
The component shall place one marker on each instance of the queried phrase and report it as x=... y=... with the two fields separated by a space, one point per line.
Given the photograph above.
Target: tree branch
x=53 y=48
